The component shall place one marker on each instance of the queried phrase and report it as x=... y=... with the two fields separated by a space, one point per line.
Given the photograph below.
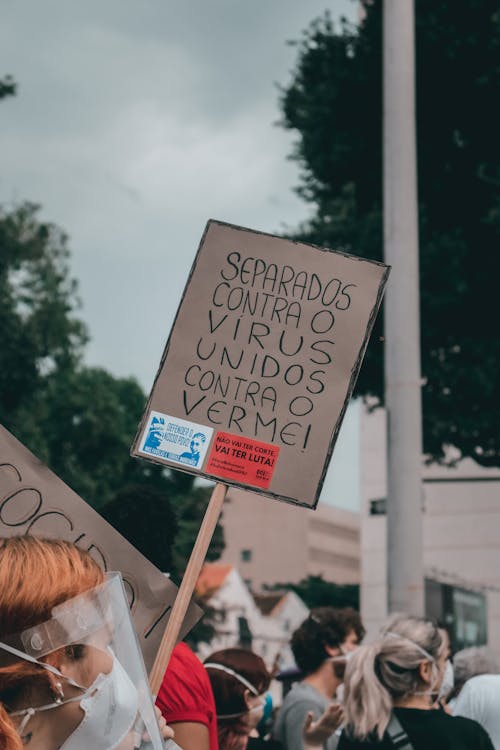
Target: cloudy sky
x=135 y=122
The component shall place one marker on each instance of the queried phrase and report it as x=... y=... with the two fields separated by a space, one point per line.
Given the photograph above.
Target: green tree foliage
x=316 y=592
x=88 y=419
x=81 y=421
x=191 y=503
x=40 y=336
x=163 y=524
x=8 y=87
x=334 y=102
x=145 y=516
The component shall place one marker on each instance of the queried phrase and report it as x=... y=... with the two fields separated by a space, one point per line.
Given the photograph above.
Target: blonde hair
x=387 y=670
x=35 y=576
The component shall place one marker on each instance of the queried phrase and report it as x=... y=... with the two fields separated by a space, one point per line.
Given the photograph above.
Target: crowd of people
x=72 y=676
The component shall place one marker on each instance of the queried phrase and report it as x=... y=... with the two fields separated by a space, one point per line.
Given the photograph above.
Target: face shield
x=98 y=694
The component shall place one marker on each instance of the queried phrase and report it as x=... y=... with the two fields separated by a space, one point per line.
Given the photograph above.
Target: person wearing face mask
x=448 y=678
x=71 y=673
x=240 y=683
x=391 y=687
x=322 y=646
x=467 y=663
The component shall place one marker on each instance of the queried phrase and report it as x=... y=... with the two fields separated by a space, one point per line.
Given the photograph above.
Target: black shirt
x=429 y=730
x=256 y=743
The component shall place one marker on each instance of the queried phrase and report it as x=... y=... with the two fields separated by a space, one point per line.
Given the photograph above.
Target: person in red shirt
x=186 y=701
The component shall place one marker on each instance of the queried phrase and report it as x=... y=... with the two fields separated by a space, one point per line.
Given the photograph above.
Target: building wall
x=461 y=529
x=287 y=543
x=333 y=540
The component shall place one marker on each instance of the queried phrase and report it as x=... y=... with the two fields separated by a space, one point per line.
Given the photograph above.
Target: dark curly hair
x=325 y=626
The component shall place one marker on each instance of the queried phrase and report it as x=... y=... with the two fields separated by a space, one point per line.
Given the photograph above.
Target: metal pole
x=402 y=315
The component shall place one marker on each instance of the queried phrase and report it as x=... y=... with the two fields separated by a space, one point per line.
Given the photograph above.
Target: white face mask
x=448 y=682
x=343 y=657
x=110 y=705
x=340 y=662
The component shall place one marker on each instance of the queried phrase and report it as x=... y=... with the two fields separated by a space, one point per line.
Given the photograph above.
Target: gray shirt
x=289 y=723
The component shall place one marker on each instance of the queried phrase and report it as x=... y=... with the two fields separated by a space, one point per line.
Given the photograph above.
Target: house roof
x=269 y=603
x=211 y=578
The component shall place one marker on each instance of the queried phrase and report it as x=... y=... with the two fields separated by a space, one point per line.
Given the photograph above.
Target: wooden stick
x=187 y=586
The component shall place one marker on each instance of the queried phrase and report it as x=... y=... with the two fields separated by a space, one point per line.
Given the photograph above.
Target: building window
x=246 y=555
x=378 y=507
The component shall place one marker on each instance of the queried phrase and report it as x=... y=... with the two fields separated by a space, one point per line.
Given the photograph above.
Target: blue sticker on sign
x=175 y=440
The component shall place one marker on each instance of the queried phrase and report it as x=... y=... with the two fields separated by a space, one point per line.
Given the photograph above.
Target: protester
x=448 y=681
x=480 y=700
x=391 y=686
x=240 y=681
x=71 y=673
x=467 y=663
x=187 y=702
x=321 y=647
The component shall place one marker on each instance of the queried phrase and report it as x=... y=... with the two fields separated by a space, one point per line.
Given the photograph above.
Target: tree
x=88 y=419
x=8 y=87
x=161 y=516
x=40 y=336
x=144 y=515
x=81 y=421
x=191 y=502
x=150 y=517
x=316 y=592
x=334 y=102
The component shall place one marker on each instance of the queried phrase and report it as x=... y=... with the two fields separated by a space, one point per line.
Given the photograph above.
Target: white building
x=289 y=611
x=265 y=629
x=461 y=535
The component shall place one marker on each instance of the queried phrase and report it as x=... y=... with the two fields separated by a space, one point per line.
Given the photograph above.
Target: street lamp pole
x=402 y=314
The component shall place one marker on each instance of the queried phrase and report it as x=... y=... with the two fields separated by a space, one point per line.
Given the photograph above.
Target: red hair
x=35 y=576
x=229 y=693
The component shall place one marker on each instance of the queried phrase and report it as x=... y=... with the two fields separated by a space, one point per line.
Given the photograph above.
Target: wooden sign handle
x=187 y=586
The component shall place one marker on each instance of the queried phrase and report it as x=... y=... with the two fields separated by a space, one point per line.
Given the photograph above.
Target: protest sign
x=33 y=500
x=261 y=362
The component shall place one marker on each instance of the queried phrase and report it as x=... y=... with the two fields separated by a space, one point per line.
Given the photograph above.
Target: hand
x=317 y=732
x=166 y=732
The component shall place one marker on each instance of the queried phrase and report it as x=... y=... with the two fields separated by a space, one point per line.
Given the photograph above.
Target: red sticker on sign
x=242 y=459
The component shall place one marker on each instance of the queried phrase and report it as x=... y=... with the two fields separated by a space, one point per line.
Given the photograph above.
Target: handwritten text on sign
x=250 y=301
x=266 y=346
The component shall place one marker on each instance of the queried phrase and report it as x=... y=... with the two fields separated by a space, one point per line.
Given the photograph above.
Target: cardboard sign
x=261 y=362
x=33 y=500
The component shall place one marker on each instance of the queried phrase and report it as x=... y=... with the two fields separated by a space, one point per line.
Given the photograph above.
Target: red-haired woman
x=240 y=681
x=71 y=674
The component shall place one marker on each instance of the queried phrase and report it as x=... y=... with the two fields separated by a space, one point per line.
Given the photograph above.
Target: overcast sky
x=135 y=122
